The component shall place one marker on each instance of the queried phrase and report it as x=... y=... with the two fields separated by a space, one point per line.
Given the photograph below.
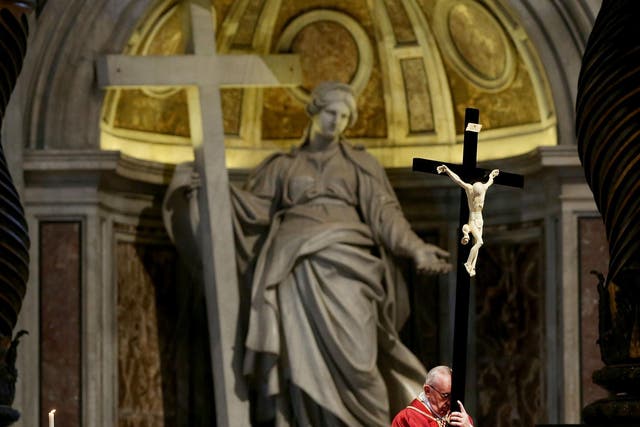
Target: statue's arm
x=454 y=177
x=391 y=228
x=492 y=175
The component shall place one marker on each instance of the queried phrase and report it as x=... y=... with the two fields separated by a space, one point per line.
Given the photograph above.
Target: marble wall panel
x=510 y=332
x=147 y=339
x=231 y=100
x=60 y=322
x=402 y=27
x=244 y=36
x=167 y=115
x=594 y=255
x=417 y=95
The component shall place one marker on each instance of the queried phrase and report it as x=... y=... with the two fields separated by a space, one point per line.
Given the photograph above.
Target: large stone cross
x=202 y=73
x=469 y=173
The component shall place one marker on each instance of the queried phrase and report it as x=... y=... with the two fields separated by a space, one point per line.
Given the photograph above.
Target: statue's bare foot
x=470 y=269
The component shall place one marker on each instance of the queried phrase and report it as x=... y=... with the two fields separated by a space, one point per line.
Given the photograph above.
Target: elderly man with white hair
x=432 y=407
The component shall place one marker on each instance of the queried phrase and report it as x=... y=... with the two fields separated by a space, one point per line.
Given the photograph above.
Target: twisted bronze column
x=608 y=131
x=14 y=238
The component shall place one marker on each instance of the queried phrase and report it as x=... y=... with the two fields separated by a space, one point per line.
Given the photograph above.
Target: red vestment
x=415 y=415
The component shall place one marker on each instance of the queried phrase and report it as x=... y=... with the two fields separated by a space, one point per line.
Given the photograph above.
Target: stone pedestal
x=619 y=347
x=623 y=406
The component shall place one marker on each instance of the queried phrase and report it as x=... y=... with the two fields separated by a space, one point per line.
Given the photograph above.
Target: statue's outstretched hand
x=431 y=259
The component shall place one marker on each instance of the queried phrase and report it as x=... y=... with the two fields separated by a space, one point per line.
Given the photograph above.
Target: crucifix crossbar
x=202 y=73
x=468 y=172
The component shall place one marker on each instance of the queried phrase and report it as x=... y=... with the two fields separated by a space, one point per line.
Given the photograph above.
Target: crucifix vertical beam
x=463 y=281
x=468 y=172
x=202 y=73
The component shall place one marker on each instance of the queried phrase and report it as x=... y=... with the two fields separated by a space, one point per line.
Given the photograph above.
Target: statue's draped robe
x=316 y=235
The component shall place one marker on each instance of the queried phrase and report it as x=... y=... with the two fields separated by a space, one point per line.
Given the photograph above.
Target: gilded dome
x=414 y=64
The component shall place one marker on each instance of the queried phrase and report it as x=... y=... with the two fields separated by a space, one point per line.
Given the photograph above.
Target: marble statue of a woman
x=318 y=231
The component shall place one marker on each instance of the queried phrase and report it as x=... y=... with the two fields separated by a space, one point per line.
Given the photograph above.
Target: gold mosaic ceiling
x=415 y=65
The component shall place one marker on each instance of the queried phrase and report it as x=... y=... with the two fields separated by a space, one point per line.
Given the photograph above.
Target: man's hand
x=431 y=259
x=442 y=169
x=494 y=173
x=460 y=419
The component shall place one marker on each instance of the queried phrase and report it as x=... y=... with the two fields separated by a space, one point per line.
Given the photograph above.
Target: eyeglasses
x=443 y=395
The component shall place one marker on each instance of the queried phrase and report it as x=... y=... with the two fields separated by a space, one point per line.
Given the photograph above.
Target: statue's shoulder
x=278 y=157
x=271 y=165
x=359 y=155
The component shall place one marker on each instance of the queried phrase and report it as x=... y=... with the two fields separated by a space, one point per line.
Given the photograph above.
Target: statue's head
x=326 y=93
x=478 y=187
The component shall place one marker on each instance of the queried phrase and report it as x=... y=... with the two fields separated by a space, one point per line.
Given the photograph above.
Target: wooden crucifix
x=202 y=73
x=469 y=173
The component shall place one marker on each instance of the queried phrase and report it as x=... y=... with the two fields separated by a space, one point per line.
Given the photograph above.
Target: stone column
x=14 y=238
x=608 y=131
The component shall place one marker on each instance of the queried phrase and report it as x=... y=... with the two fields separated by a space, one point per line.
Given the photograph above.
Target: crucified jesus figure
x=475 y=197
